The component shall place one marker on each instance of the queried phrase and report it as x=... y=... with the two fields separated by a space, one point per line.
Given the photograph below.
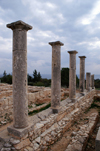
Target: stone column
x=20 y=102
x=92 y=81
x=72 y=75
x=56 y=76
x=82 y=73
x=88 y=75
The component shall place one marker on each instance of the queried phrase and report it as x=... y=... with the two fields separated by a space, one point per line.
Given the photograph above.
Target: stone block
x=19 y=133
x=42 y=115
x=60 y=116
x=4 y=136
x=34 y=119
x=97 y=141
x=67 y=126
x=41 y=94
x=29 y=148
x=22 y=144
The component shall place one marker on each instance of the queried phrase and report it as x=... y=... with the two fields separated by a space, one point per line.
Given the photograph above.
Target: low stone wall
x=36 y=95
x=79 y=139
x=47 y=128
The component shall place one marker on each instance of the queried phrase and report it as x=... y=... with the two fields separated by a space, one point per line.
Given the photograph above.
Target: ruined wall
x=48 y=128
x=36 y=95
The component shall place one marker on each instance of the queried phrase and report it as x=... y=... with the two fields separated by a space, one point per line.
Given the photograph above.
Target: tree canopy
x=37 y=80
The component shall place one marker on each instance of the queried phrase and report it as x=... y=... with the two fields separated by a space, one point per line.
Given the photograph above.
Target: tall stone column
x=92 y=81
x=20 y=102
x=88 y=76
x=82 y=73
x=56 y=76
x=72 y=75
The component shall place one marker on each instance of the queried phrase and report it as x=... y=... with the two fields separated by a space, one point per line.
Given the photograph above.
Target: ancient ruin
x=42 y=118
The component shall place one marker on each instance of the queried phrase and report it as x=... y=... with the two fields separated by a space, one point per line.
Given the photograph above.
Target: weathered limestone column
x=72 y=75
x=20 y=102
x=82 y=73
x=88 y=76
x=56 y=76
x=92 y=81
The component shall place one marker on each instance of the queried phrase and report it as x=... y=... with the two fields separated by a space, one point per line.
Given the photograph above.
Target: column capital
x=82 y=56
x=19 y=24
x=56 y=43
x=72 y=52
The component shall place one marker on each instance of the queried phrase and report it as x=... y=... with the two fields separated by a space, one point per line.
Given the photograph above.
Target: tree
x=35 y=79
x=4 y=74
x=9 y=79
x=29 y=78
x=39 y=76
x=77 y=81
x=6 y=78
x=65 y=77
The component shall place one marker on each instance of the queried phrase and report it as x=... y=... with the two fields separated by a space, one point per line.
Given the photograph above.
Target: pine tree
x=35 y=79
x=4 y=74
x=39 y=76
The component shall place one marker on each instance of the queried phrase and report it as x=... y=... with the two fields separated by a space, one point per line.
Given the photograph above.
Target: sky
x=76 y=23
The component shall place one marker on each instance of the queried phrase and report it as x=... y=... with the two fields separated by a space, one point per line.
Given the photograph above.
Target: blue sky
x=75 y=23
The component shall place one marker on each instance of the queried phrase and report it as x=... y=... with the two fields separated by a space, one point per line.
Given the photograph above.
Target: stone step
x=52 y=134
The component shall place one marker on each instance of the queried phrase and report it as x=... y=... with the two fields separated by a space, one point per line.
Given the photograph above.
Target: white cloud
x=91 y=44
x=73 y=22
x=45 y=12
x=68 y=1
x=87 y=19
x=5 y=45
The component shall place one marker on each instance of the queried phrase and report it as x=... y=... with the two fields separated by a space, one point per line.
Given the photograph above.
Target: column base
x=89 y=89
x=56 y=110
x=73 y=100
x=82 y=93
x=19 y=133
